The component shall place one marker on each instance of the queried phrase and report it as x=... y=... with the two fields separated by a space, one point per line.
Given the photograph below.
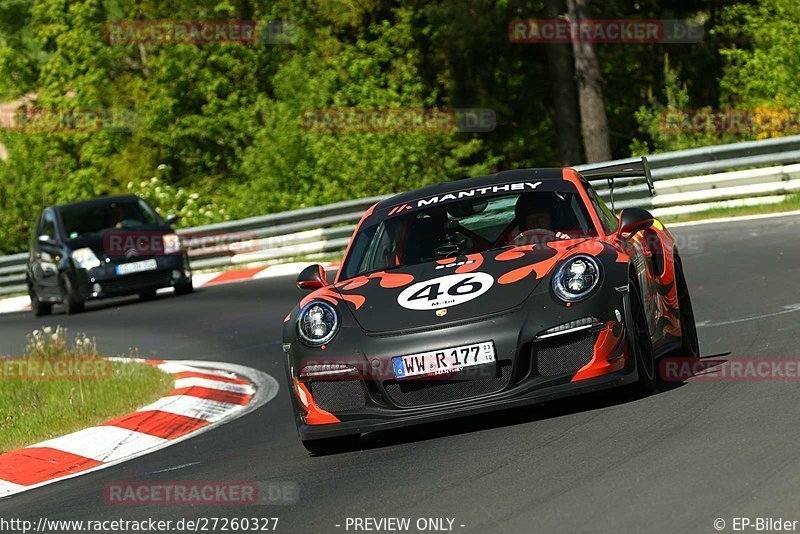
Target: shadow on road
x=527 y=414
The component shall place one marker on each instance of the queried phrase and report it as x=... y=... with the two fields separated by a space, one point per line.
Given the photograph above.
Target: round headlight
x=576 y=278
x=317 y=323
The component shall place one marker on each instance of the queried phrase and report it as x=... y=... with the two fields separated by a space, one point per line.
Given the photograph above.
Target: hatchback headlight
x=317 y=323
x=576 y=278
x=85 y=258
x=172 y=243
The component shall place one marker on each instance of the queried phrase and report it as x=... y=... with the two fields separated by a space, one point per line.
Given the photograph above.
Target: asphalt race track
x=672 y=462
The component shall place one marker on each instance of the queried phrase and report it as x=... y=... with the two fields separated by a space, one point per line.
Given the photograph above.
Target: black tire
x=38 y=307
x=322 y=447
x=148 y=295
x=72 y=302
x=184 y=288
x=641 y=346
x=690 y=346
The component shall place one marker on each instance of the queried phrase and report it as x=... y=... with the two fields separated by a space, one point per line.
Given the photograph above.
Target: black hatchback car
x=106 y=247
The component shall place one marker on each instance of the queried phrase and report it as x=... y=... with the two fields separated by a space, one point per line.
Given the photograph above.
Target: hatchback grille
x=137 y=280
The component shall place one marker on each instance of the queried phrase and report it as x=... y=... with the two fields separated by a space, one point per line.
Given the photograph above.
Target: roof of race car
x=443 y=188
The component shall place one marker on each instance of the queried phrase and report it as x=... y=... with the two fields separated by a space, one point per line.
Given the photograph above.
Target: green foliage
x=763 y=64
x=220 y=126
x=193 y=208
x=675 y=125
x=758 y=93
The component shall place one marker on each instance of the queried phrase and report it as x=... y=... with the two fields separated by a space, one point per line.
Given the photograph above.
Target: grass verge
x=792 y=203
x=63 y=386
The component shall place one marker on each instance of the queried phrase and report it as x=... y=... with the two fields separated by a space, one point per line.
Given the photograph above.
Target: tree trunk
x=565 y=96
x=594 y=123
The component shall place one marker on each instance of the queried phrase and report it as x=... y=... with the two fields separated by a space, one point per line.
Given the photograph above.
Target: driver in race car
x=534 y=220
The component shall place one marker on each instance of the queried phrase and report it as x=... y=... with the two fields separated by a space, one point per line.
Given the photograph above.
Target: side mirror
x=172 y=219
x=44 y=238
x=633 y=220
x=311 y=278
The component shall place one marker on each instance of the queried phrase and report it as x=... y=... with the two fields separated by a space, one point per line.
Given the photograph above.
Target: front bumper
x=508 y=400
x=527 y=371
x=171 y=270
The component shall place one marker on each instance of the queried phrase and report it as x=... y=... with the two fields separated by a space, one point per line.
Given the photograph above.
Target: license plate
x=137 y=267
x=444 y=361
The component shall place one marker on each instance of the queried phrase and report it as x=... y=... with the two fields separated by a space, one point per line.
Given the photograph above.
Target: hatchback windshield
x=467 y=227
x=97 y=217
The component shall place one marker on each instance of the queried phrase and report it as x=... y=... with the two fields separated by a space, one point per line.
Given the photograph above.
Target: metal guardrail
x=685 y=181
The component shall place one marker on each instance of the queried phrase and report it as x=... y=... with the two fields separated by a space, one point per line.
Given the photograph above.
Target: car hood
x=103 y=247
x=456 y=289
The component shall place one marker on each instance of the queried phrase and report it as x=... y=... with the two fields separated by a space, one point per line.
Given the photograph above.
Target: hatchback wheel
x=38 y=307
x=72 y=302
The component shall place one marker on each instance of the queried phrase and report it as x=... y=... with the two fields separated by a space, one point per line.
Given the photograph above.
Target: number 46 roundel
x=450 y=290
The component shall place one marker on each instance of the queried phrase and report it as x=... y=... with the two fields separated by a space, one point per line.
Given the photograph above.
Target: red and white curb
x=206 y=395
x=23 y=303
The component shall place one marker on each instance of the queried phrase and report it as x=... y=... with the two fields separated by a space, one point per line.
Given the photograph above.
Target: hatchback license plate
x=137 y=267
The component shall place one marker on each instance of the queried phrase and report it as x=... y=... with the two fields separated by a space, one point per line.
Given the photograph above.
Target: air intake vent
x=338 y=395
x=563 y=355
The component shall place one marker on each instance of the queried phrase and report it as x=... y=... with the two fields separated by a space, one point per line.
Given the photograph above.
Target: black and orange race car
x=484 y=294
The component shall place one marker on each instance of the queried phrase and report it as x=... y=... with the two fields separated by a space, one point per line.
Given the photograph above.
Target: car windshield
x=98 y=217
x=467 y=227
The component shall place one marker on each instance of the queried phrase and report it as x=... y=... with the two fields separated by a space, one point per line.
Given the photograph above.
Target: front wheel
x=690 y=346
x=147 y=295
x=38 y=307
x=641 y=346
x=322 y=447
x=72 y=302
x=184 y=288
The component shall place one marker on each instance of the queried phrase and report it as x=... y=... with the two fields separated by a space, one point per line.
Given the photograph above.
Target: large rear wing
x=622 y=170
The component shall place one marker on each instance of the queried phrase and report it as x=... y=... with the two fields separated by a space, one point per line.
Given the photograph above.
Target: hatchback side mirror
x=44 y=238
x=633 y=220
x=311 y=278
x=172 y=219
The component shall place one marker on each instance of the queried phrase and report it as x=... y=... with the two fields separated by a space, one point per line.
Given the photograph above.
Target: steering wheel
x=476 y=239
x=534 y=236
x=130 y=223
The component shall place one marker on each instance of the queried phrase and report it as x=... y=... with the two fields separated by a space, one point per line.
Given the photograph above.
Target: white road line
x=9 y=487
x=174 y=368
x=743 y=218
x=14 y=304
x=104 y=443
x=788 y=309
x=207 y=410
x=199 y=280
x=214 y=384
